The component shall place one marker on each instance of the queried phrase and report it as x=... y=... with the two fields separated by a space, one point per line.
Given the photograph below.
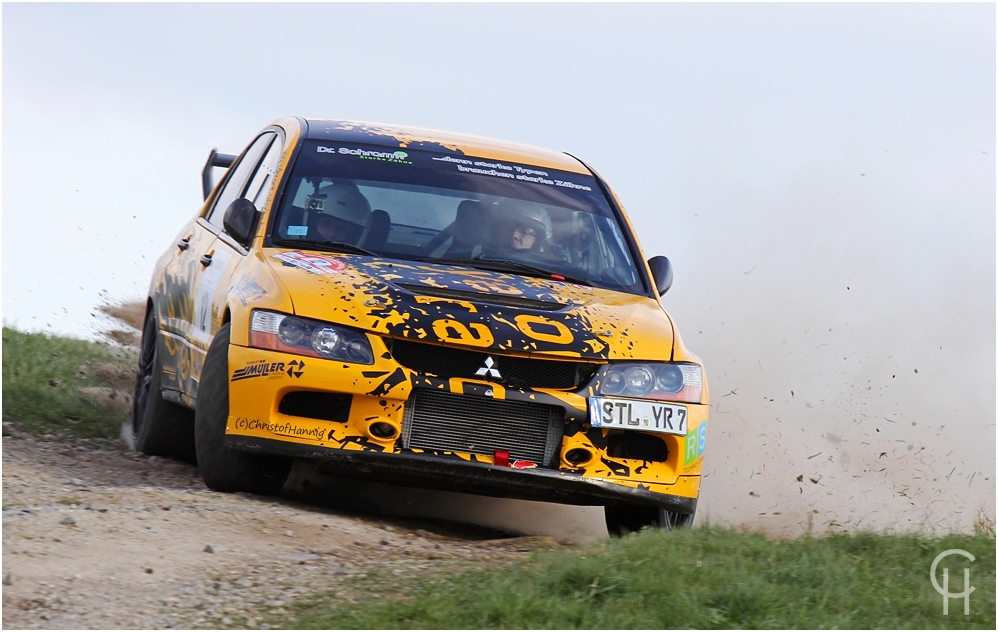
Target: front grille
x=479 y=425
x=636 y=445
x=516 y=372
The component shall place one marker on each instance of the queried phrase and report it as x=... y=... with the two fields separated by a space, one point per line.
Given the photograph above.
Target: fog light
x=576 y=456
x=382 y=430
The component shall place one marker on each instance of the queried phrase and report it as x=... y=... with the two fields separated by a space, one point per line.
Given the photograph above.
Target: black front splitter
x=410 y=469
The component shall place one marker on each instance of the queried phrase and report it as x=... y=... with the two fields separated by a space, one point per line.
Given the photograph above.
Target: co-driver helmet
x=345 y=203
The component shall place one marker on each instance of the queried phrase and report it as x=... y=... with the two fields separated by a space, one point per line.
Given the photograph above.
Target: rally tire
x=624 y=519
x=159 y=427
x=224 y=469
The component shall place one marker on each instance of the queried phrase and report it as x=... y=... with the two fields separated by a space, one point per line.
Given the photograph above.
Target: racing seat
x=376 y=232
x=467 y=230
x=464 y=232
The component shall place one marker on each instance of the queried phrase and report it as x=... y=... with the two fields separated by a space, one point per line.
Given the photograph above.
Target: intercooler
x=480 y=425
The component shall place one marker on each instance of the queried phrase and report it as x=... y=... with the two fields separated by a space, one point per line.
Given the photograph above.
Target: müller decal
x=263 y=368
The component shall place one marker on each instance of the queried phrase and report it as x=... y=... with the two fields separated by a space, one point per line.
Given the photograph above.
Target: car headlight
x=674 y=382
x=292 y=334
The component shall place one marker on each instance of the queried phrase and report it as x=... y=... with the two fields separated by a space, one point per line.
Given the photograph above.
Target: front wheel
x=224 y=469
x=624 y=519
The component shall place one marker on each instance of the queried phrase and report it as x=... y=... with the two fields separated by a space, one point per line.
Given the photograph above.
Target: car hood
x=445 y=304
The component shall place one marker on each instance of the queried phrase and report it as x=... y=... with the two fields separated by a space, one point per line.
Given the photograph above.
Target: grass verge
x=698 y=578
x=42 y=380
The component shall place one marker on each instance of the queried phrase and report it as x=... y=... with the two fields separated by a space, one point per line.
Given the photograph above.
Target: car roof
x=403 y=136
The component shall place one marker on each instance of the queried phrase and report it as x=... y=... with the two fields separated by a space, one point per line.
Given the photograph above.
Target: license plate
x=636 y=414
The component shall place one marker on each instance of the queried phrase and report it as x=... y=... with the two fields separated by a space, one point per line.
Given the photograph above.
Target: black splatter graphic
x=390 y=382
x=619 y=469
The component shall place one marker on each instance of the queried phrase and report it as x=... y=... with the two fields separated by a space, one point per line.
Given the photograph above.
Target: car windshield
x=427 y=206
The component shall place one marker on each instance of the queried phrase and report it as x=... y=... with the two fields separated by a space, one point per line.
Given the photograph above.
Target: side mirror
x=661 y=271
x=240 y=220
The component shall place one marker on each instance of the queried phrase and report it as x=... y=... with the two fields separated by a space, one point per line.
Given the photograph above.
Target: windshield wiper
x=526 y=267
x=336 y=246
x=507 y=265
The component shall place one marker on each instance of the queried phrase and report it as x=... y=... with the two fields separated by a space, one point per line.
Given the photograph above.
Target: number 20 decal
x=450 y=330
x=479 y=335
x=540 y=328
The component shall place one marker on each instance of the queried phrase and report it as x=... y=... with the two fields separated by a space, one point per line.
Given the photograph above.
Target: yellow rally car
x=427 y=308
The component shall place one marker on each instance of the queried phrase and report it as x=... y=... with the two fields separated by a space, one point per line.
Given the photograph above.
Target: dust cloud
x=846 y=319
x=836 y=423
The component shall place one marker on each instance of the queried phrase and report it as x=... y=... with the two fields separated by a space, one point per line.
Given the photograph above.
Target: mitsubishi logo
x=487 y=370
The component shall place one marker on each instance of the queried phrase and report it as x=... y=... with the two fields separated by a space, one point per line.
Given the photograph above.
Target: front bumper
x=430 y=472
x=345 y=445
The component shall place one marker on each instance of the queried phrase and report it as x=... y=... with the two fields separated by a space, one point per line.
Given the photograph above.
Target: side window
x=236 y=183
x=259 y=186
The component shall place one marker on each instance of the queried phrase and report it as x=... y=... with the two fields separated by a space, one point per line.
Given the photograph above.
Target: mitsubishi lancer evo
x=421 y=308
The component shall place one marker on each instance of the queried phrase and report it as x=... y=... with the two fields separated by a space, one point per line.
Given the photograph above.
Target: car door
x=176 y=311
x=221 y=258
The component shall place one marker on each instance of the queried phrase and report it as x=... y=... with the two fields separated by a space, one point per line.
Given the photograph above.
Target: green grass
x=698 y=578
x=42 y=376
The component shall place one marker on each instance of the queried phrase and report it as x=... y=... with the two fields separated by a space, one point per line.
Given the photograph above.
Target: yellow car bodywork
x=192 y=300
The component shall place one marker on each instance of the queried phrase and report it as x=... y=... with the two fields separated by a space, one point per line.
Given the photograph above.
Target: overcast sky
x=822 y=176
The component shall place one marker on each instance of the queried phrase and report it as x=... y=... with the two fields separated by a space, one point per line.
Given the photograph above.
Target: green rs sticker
x=696 y=441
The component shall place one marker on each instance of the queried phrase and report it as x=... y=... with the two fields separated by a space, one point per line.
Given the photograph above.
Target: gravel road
x=97 y=536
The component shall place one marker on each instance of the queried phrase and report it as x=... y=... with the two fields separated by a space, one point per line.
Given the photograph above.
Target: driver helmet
x=520 y=213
